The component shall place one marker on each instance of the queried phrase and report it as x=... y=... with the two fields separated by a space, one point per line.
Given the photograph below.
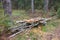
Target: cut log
x=26 y=24
x=34 y=20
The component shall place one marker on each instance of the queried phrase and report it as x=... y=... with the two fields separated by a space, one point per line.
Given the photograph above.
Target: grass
x=50 y=26
x=19 y=15
x=22 y=14
x=35 y=33
x=27 y=36
x=16 y=15
x=1 y=12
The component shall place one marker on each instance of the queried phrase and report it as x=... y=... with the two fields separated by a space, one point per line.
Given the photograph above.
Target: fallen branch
x=34 y=20
x=27 y=24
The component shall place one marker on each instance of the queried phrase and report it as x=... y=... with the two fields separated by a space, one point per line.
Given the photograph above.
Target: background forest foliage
x=38 y=4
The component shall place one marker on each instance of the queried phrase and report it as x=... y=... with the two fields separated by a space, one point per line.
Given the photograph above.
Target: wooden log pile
x=26 y=25
x=35 y=19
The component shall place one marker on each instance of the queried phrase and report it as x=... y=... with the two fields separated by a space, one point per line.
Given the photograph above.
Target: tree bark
x=7 y=7
x=46 y=2
x=32 y=5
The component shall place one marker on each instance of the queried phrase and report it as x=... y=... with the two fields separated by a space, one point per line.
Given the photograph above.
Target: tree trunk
x=46 y=2
x=32 y=5
x=7 y=12
x=7 y=7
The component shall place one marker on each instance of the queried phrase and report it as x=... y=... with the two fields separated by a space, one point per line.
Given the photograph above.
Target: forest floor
x=51 y=31
x=46 y=33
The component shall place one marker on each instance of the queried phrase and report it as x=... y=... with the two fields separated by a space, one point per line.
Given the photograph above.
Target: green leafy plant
x=5 y=23
x=58 y=13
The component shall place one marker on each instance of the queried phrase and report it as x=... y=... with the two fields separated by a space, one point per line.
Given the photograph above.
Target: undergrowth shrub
x=58 y=13
x=5 y=23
